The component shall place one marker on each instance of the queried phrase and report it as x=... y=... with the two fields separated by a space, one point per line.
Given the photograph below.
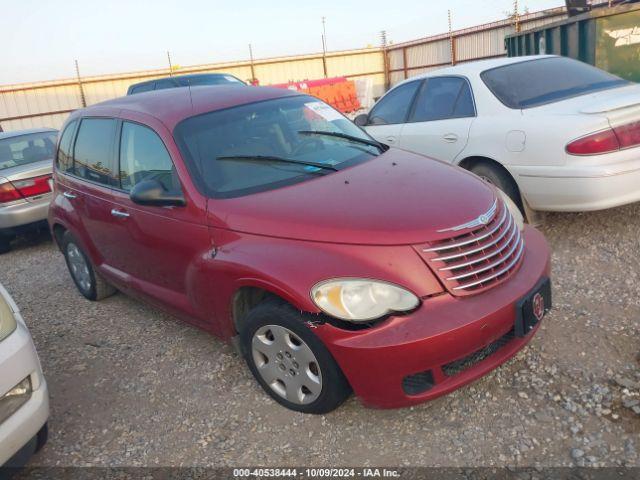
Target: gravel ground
x=131 y=386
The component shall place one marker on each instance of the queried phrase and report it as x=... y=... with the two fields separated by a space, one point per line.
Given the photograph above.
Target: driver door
x=387 y=117
x=157 y=246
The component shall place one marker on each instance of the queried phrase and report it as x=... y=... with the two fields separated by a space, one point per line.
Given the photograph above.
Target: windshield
x=267 y=145
x=25 y=149
x=547 y=80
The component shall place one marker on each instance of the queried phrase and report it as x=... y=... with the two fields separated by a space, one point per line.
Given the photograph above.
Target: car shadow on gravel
x=30 y=239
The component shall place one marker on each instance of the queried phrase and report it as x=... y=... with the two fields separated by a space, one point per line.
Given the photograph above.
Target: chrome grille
x=483 y=256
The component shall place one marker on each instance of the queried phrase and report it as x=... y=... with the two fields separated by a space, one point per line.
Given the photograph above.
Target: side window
x=165 y=83
x=145 y=87
x=441 y=98
x=93 y=152
x=64 y=160
x=465 y=106
x=394 y=106
x=143 y=156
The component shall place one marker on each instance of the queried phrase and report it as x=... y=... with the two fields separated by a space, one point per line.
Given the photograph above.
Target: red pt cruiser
x=267 y=218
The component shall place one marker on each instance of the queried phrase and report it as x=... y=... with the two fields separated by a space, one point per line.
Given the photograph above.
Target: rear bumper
x=581 y=188
x=442 y=331
x=23 y=213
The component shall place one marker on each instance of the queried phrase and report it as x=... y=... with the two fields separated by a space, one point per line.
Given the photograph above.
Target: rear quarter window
x=64 y=160
x=93 y=151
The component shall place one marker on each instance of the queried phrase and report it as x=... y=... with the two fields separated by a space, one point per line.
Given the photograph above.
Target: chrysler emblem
x=483 y=219
x=538 y=306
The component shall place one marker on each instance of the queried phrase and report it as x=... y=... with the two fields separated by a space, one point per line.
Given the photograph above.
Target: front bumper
x=24 y=212
x=19 y=360
x=443 y=330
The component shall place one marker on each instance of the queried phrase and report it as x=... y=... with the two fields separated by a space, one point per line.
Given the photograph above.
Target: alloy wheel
x=79 y=267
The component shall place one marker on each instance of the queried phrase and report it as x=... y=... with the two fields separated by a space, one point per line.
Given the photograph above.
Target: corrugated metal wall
x=46 y=104
x=485 y=41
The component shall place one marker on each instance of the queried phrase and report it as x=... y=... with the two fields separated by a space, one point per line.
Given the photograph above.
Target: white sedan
x=24 y=399
x=554 y=133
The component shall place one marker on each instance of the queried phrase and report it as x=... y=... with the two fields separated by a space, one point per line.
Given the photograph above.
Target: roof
x=173 y=105
x=17 y=133
x=477 y=67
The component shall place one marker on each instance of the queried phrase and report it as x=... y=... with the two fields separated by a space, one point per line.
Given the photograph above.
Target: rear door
x=86 y=174
x=157 y=247
x=391 y=112
x=440 y=120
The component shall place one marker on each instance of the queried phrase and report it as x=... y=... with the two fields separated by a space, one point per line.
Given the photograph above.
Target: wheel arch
x=250 y=293
x=58 y=230
x=469 y=162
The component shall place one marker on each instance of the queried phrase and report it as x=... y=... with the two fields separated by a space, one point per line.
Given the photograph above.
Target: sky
x=42 y=38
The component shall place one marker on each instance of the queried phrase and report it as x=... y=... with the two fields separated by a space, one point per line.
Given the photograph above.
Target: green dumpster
x=608 y=38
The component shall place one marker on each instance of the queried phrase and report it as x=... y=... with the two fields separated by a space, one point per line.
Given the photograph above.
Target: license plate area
x=533 y=307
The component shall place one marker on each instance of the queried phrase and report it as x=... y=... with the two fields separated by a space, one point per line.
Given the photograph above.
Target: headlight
x=513 y=209
x=357 y=300
x=7 y=320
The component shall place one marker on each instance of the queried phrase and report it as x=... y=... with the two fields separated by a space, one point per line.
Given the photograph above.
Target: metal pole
x=385 y=59
x=452 y=41
x=170 y=66
x=516 y=15
x=253 y=72
x=324 y=48
x=404 y=62
x=324 y=34
x=82 y=97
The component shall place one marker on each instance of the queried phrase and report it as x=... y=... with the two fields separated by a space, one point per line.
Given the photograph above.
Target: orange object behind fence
x=339 y=92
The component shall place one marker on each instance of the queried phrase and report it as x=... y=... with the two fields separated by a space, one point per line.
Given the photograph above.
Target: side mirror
x=153 y=193
x=361 y=120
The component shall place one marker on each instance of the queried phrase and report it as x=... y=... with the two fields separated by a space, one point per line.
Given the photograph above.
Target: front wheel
x=291 y=364
x=89 y=282
x=501 y=179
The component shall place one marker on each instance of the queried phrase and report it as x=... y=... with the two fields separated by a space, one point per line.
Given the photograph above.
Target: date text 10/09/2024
x=316 y=472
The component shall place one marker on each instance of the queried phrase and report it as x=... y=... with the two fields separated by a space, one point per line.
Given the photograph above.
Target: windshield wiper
x=364 y=141
x=271 y=158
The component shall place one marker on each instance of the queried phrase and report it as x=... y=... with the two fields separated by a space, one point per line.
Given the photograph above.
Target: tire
x=89 y=282
x=5 y=244
x=292 y=367
x=500 y=179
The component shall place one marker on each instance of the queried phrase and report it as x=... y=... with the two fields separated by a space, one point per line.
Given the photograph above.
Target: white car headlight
x=7 y=320
x=357 y=300
x=513 y=209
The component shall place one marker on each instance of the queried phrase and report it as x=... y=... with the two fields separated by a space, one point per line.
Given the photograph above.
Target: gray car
x=26 y=161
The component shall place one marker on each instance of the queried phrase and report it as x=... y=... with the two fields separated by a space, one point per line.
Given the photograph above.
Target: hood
x=397 y=198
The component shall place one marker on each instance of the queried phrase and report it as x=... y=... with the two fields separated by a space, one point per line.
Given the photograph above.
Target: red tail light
x=607 y=141
x=30 y=187
x=628 y=135
x=8 y=193
x=601 y=142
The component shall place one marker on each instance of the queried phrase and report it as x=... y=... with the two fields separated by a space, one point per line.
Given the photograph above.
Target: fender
x=289 y=269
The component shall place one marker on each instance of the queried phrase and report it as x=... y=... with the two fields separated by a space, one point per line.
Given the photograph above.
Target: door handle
x=70 y=195
x=450 y=137
x=119 y=213
x=391 y=139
